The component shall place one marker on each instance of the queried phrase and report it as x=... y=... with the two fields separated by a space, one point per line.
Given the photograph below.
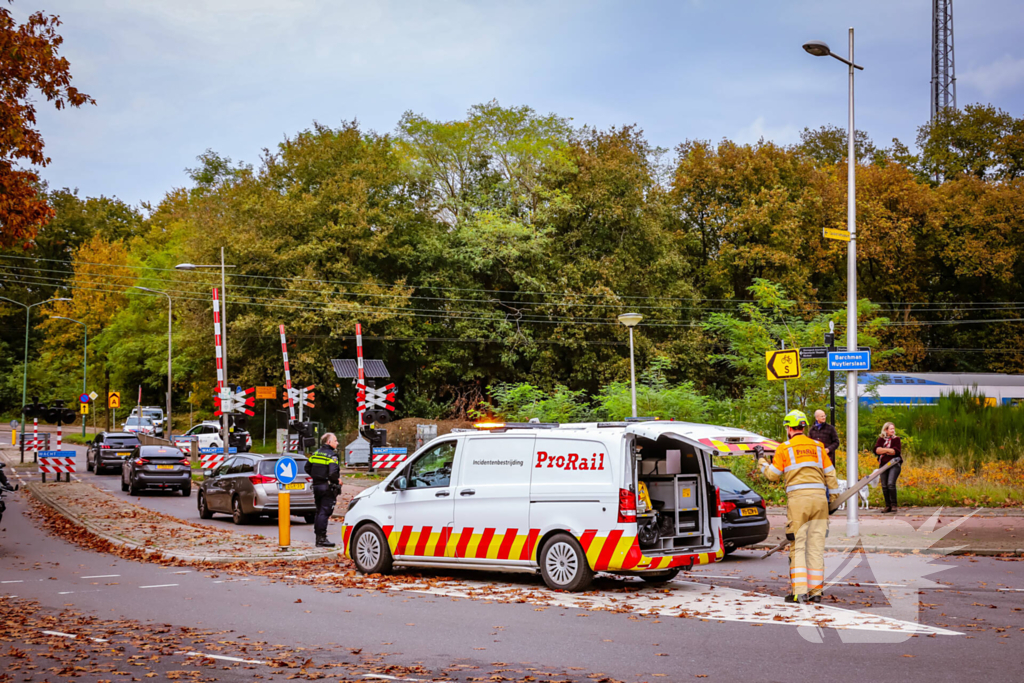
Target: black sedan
x=108 y=451
x=157 y=467
x=744 y=518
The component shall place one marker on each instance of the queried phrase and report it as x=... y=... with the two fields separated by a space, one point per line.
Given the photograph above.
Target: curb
x=984 y=552
x=34 y=489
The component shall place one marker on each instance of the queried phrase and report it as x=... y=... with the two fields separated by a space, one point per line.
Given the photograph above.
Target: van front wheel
x=563 y=564
x=370 y=551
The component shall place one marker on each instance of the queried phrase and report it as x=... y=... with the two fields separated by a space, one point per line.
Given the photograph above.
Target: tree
x=978 y=140
x=29 y=63
x=829 y=144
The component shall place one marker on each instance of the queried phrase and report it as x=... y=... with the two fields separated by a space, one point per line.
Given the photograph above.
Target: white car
x=139 y=425
x=208 y=434
x=560 y=500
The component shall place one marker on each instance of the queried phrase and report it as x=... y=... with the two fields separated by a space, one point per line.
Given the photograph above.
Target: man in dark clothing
x=324 y=467
x=825 y=433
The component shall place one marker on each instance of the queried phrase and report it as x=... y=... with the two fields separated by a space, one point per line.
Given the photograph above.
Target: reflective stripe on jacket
x=803 y=463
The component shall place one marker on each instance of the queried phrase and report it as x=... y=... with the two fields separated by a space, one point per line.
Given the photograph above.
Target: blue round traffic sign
x=84 y=398
x=286 y=470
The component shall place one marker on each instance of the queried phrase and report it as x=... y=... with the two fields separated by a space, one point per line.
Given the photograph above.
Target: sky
x=173 y=78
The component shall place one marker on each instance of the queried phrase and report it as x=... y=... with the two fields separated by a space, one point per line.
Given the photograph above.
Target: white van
x=558 y=499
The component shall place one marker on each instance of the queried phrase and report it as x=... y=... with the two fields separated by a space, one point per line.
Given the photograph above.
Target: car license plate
x=294 y=487
x=748 y=512
x=165 y=467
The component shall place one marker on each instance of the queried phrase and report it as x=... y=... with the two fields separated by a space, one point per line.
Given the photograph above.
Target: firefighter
x=325 y=469
x=810 y=479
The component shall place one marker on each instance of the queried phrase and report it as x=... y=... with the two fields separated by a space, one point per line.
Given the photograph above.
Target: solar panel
x=346 y=368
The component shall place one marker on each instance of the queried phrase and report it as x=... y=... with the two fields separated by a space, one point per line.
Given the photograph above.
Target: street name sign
x=845 y=361
x=782 y=364
x=820 y=352
x=213 y=450
x=833 y=234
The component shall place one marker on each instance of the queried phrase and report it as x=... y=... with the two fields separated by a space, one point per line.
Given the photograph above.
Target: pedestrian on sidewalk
x=324 y=467
x=888 y=447
x=825 y=433
x=811 y=485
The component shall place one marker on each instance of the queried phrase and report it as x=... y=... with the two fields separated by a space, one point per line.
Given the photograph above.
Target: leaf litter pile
x=150 y=532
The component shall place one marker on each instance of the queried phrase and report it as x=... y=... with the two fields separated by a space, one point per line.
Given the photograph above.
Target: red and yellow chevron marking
x=616 y=551
x=606 y=552
x=724 y=447
x=487 y=543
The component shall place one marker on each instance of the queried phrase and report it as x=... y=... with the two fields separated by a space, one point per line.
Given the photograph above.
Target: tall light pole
x=85 y=357
x=820 y=49
x=223 y=333
x=170 y=319
x=631 y=320
x=24 y=372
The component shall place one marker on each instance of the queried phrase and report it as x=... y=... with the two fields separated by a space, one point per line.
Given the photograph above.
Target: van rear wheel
x=370 y=551
x=563 y=564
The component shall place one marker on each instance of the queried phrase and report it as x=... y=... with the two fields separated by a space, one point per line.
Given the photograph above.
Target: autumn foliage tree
x=29 y=62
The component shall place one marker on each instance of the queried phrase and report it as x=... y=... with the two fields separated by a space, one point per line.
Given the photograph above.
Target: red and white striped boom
x=219 y=351
x=287 y=377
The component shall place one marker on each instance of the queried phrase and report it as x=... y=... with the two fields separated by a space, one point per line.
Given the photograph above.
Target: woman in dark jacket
x=888 y=447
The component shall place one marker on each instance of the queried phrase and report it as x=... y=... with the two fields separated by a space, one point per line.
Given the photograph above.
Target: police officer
x=324 y=467
x=811 y=484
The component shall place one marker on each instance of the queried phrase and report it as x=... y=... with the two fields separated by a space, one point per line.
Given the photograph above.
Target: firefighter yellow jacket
x=802 y=463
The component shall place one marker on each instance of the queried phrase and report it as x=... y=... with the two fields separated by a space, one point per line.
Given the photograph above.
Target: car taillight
x=627 y=506
x=726 y=507
x=261 y=479
x=141 y=461
x=718 y=500
x=185 y=461
x=104 y=445
x=762 y=504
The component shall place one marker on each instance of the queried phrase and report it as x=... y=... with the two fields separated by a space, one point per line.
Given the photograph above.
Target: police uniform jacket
x=323 y=466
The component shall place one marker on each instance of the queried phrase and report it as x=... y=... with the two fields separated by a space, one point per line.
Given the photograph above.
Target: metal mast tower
x=943 y=66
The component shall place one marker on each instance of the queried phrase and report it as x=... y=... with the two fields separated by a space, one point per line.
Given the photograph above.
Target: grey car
x=109 y=450
x=245 y=487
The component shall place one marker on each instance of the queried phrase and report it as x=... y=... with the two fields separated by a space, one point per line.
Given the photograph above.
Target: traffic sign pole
x=284 y=518
x=785 y=388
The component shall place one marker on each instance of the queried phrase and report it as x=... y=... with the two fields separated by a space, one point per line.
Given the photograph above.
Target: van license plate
x=165 y=467
x=294 y=487
x=748 y=512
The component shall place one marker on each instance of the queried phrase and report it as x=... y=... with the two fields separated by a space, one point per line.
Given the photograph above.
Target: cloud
x=1003 y=74
x=784 y=134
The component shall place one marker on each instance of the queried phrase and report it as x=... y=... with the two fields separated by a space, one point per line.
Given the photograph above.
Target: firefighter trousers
x=806 y=527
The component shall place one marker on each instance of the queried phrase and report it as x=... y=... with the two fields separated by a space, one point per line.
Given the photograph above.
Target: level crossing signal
x=229 y=401
x=305 y=396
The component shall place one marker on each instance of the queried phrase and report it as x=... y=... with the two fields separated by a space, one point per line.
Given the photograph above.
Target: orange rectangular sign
x=266 y=392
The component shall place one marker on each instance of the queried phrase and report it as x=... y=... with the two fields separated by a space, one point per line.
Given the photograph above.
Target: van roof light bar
x=650 y=419
x=502 y=426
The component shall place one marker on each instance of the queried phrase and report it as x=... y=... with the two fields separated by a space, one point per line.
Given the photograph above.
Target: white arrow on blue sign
x=845 y=361
x=285 y=470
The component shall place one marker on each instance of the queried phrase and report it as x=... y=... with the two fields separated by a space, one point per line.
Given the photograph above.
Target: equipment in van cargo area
x=559 y=500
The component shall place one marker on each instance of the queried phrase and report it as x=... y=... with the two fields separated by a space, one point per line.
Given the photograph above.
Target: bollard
x=284 y=518
x=58 y=448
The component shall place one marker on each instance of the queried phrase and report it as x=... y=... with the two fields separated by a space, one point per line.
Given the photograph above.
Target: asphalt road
x=964 y=619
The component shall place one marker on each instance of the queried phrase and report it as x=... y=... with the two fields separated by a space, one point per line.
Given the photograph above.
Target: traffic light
x=58 y=414
x=377 y=416
x=378 y=438
x=35 y=410
x=239 y=421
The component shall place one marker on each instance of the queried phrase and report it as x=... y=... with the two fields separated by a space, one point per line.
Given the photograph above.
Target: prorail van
x=560 y=500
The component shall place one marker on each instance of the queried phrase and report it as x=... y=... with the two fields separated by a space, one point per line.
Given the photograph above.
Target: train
x=923 y=388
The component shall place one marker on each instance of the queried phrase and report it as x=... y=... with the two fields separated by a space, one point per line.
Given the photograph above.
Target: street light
x=24 y=377
x=631 y=320
x=821 y=49
x=170 y=429
x=223 y=332
x=85 y=356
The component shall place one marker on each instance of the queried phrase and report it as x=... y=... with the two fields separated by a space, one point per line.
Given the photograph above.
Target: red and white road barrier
x=287 y=377
x=361 y=378
x=211 y=461
x=35 y=436
x=219 y=351
x=57 y=466
x=389 y=461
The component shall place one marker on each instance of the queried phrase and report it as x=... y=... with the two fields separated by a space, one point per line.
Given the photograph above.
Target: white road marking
x=688 y=598
x=865 y=583
x=65 y=592
x=18 y=581
x=72 y=635
x=226 y=659
x=1010 y=590
x=161 y=585
x=102 y=576
x=187 y=571
x=389 y=678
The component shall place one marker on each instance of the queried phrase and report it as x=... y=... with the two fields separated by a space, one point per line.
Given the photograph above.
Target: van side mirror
x=401 y=483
